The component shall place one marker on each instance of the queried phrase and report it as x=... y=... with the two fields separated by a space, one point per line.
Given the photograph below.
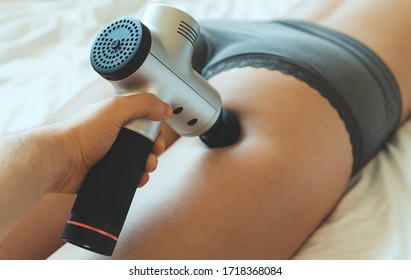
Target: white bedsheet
x=44 y=48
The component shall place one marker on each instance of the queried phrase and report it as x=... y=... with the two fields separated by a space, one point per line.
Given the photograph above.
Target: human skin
x=56 y=157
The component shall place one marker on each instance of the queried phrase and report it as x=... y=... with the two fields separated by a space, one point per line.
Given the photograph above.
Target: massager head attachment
x=120 y=48
x=224 y=132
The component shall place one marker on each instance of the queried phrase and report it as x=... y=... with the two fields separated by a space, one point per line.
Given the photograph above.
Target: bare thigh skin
x=249 y=200
x=264 y=196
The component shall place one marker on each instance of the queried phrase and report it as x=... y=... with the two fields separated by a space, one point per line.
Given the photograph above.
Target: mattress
x=45 y=72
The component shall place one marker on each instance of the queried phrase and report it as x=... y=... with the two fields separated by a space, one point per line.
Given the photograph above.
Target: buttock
x=355 y=81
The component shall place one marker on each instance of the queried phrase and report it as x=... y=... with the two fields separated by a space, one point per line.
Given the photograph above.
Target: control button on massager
x=178 y=110
x=192 y=122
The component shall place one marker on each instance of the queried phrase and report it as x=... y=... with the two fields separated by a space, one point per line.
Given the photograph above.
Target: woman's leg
x=38 y=234
x=260 y=198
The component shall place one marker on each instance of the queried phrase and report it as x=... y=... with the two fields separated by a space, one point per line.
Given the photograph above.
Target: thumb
x=142 y=105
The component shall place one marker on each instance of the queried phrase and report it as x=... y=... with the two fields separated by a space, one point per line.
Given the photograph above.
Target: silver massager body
x=151 y=55
x=154 y=55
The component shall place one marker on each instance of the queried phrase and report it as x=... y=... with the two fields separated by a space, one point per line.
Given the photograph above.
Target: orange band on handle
x=93 y=229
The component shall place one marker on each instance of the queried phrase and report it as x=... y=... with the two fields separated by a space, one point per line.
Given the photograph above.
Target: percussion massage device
x=151 y=55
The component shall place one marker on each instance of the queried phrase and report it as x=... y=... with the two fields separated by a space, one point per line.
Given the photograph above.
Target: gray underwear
x=356 y=82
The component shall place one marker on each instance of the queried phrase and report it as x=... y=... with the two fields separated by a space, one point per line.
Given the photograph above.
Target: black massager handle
x=106 y=194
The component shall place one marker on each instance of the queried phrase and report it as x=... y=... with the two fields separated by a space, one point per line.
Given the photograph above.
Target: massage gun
x=152 y=55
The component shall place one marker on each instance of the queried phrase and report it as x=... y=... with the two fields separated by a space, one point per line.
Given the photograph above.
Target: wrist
x=67 y=177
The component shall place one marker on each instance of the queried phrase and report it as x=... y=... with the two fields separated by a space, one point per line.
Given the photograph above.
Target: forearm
x=56 y=158
x=31 y=163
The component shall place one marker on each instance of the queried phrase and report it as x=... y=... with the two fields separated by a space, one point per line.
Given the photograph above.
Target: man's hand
x=91 y=133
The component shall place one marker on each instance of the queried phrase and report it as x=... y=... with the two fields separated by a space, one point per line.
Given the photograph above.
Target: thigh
x=39 y=233
x=260 y=198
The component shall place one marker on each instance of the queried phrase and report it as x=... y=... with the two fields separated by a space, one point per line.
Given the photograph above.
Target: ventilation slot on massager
x=187 y=32
x=119 y=45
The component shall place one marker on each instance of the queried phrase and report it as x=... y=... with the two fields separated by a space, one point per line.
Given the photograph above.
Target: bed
x=44 y=69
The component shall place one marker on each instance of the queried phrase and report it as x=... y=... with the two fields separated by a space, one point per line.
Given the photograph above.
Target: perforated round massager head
x=120 y=48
